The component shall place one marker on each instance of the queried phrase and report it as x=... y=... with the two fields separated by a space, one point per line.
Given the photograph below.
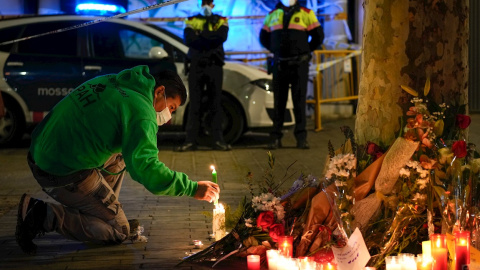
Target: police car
x=37 y=73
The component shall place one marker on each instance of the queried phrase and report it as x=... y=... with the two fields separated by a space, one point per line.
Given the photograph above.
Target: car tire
x=12 y=126
x=233 y=123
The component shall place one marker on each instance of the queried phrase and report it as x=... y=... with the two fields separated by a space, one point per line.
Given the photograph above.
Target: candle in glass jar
x=253 y=262
x=392 y=263
x=439 y=252
x=272 y=259
x=423 y=262
x=462 y=249
x=328 y=266
x=218 y=226
x=285 y=246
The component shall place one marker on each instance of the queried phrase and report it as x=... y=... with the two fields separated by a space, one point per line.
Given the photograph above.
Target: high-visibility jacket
x=289 y=40
x=205 y=37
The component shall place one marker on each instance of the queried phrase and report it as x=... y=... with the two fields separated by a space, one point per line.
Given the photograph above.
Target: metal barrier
x=336 y=74
x=336 y=77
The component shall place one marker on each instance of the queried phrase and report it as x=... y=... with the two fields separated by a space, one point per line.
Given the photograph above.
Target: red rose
x=374 y=150
x=459 y=149
x=265 y=220
x=275 y=231
x=462 y=121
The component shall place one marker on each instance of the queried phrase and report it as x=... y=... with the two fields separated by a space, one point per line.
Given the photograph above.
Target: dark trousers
x=285 y=75
x=210 y=78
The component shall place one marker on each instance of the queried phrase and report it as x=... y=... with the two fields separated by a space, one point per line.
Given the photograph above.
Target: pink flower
x=265 y=220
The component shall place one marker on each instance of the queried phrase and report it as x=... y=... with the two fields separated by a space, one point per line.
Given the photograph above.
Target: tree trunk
x=404 y=42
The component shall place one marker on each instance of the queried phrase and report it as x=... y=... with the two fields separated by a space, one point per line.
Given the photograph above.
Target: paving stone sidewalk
x=170 y=223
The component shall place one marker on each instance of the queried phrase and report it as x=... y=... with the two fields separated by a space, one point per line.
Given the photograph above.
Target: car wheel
x=233 y=123
x=12 y=126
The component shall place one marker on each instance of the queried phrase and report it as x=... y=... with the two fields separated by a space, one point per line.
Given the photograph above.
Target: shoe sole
x=21 y=214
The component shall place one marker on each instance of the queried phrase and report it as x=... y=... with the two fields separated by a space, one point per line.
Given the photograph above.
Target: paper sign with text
x=354 y=255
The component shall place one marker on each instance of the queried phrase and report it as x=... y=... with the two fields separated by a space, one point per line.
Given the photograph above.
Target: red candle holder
x=285 y=246
x=439 y=252
x=462 y=249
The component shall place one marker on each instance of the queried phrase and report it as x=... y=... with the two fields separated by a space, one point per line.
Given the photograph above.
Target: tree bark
x=404 y=42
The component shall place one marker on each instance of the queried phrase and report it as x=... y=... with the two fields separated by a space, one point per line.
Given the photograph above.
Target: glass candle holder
x=285 y=246
x=439 y=252
x=253 y=262
x=462 y=249
x=392 y=263
x=272 y=259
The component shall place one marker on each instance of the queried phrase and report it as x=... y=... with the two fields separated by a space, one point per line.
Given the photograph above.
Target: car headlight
x=265 y=84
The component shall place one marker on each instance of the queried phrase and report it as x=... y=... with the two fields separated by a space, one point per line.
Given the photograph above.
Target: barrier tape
x=155 y=6
x=328 y=17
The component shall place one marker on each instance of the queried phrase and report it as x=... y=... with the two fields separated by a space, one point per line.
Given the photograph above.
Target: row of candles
x=434 y=254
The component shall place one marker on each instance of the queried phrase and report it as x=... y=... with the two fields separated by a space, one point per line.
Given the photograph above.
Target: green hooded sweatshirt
x=106 y=115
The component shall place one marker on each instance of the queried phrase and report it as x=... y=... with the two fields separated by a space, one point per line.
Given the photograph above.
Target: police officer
x=205 y=34
x=286 y=31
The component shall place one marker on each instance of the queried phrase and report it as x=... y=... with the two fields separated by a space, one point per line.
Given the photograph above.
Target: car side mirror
x=157 y=53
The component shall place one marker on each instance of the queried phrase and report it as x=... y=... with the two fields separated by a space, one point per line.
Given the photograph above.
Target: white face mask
x=288 y=3
x=207 y=10
x=164 y=116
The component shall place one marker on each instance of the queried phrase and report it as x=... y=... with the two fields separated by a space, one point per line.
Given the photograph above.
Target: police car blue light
x=98 y=9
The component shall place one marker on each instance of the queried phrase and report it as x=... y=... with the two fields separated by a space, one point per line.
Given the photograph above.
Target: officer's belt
x=294 y=59
x=47 y=180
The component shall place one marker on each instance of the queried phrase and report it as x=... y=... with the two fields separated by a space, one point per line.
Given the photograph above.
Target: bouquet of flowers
x=264 y=218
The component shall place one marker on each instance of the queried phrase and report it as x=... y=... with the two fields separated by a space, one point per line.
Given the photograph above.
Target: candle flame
x=438 y=242
x=329 y=266
x=212 y=167
x=219 y=206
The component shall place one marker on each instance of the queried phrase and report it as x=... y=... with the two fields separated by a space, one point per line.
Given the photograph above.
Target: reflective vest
x=197 y=22
x=292 y=41
x=206 y=43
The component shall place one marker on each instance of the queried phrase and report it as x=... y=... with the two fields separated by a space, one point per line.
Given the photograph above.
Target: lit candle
x=307 y=263
x=253 y=262
x=439 y=252
x=214 y=179
x=328 y=266
x=197 y=243
x=285 y=245
x=462 y=249
x=218 y=226
x=393 y=263
x=272 y=259
x=427 y=249
x=370 y=268
x=424 y=262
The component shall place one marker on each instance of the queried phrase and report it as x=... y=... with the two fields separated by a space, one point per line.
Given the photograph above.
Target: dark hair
x=173 y=84
x=206 y=2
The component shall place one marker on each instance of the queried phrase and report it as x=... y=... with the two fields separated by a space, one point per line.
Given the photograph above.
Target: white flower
x=419 y=197
x=422 y=183
x=404 y=172
x=248 y=222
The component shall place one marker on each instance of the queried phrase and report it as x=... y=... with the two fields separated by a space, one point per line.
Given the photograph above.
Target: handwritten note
x=354 y=255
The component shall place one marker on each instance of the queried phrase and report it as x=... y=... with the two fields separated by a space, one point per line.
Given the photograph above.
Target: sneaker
x=274 y=144
x=303 y=145
x=222 y=146
x=186 y=147
x=30 y=218
x=134 y=224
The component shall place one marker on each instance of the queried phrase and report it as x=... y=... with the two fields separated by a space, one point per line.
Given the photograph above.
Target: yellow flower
x=446 y=156
x=427 y=87
x=475 y=165
x=438 y=127
x=409 y=90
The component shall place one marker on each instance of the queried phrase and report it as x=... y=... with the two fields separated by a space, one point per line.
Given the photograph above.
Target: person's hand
x=207 y=191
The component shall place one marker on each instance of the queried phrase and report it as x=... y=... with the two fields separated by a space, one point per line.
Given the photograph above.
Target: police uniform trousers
x=89 y=210
x=286 y=74
x=201 y=76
